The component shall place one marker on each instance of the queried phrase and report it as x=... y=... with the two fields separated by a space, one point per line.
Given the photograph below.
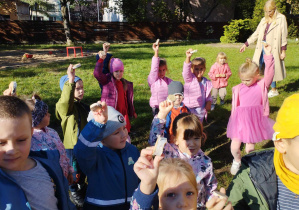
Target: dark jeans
x=78 y=175
x=88 y=206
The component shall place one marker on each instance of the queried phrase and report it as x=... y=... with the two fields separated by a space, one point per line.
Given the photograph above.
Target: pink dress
x=248 y=123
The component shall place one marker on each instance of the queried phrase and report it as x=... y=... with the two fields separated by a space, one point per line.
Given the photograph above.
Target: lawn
x=44 y=79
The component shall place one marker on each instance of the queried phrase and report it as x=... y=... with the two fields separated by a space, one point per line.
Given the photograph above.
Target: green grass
x=44 y=79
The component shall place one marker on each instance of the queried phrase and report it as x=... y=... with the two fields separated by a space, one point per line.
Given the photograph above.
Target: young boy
x=107 y=160
x=269 y=179
x=73 y=116
x=28 y=180
x=175 y=88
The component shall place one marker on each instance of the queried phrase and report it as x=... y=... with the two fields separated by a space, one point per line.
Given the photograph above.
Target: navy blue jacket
x=111 y=179
x=13 y=197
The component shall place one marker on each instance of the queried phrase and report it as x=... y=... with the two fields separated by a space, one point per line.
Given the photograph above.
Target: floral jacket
x=201 y=164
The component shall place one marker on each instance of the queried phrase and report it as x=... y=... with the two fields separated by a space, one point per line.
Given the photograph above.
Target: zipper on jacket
x=258 y=187
x=126 y=187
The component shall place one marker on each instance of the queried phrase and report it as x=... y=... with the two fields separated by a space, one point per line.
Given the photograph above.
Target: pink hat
x=116 y=64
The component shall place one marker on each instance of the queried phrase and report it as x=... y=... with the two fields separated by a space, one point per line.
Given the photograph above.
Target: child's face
x=222 y=60
x=15 y=143
x=248 y=79
x=117 y=140
x=79 y=90
x=189 y=146
x=162 y=71
x=178 y=100
x=178 y=193
x=45 y=121
x=198 y=71
x=118 y=74
x=291 y=155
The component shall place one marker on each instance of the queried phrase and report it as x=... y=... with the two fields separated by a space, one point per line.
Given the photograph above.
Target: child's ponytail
x=249 y=67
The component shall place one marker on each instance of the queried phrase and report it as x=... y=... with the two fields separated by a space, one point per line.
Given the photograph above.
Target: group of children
x=97 y=143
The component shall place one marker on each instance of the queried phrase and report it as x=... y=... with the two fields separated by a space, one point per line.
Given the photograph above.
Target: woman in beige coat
x=273 y=30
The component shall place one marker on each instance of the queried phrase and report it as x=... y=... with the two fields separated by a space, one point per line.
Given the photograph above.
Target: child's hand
x=188 y=53
x=164 y=108
x=242 y=49
x=7 y=92
x=156 y=49
x=71 y=73
x=216 y=203
x=147 y=170
x=102 y=54
x=223 y=75
x=70 y=178
x=106 y=46
x=101 y=114
x=267 y=49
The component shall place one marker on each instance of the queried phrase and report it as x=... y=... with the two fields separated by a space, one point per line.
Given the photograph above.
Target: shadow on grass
x=292 y=86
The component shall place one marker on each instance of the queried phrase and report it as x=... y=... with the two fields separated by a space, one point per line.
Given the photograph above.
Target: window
x=52 y=18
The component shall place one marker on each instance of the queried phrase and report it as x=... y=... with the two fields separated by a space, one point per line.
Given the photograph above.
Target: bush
x=293 y=31
x=236 y=31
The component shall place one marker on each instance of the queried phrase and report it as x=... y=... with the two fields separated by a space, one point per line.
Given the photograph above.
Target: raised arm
x=98 y=71
x=187 y=74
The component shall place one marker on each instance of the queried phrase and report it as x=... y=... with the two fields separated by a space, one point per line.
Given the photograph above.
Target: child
x=73 y=116
x=188 y=139
x=107 y=159
x=269 y=179
x=249 y=122
x=177 y=186
x=116 y=92
x=197 y=89
x=157 y=81
x=219 y=74
x=175 y=88
x=45 y=138
x=28 y=180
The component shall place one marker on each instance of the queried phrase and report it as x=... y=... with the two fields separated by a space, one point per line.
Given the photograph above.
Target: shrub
x=236 y=31
x=293 y=31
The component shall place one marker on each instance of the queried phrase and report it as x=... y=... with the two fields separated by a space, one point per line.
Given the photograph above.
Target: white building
x=111 y=13
x=51 y=13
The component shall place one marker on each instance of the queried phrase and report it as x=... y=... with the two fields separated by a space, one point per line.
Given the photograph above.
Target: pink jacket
x=109 y=91
x=159 y=87
x=192 y=89
x=263 y=83
x=219 y=69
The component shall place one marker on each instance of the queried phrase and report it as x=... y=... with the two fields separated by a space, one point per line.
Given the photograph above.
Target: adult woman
x=272 y=29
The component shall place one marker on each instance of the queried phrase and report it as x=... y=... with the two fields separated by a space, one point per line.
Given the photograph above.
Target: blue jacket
x=111 y=179
x=13 y=197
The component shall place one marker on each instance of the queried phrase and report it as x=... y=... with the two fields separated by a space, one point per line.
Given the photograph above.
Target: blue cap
x=65 y=78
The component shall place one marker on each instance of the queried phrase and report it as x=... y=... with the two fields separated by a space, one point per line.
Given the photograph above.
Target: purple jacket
x=159 y=87
x=109 y=92
x=194 y=96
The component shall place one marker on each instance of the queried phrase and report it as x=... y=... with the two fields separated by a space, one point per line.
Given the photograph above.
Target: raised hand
x=102 y=54
x=216 y=203
x=71 y=73
x=156 y=49
x=188 y=55
x=101 y=113
x=106 y=46
x=164 y=108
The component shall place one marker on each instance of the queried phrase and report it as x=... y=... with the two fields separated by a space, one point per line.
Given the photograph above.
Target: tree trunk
x=66 y=23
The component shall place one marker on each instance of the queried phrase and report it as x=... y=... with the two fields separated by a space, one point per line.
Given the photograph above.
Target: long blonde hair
x=270 y=4
x=175 y=167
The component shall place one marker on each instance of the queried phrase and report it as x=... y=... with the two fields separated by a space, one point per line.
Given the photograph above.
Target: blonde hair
x=221 y=55
x=190 y=125
x=249 y=67
x=175 y=167
x=270 y=4
x=198 y=61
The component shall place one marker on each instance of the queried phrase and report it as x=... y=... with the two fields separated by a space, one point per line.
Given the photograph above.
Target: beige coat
x=276 y=37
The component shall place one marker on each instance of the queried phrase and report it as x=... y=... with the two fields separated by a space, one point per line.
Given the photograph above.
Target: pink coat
x=217 y=68
x=192 y=89
x=109 y=92
x=159 y=86
x=263 y=83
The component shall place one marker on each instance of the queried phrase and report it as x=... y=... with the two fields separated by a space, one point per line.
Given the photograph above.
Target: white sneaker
x=273 y=93
x=235 y=167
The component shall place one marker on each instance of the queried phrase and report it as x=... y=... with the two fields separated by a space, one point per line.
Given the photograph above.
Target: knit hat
x=116 y=64
x=65 y=78
x=39 y=112
x=175 y=88
x=114 y=122
x=287 y=123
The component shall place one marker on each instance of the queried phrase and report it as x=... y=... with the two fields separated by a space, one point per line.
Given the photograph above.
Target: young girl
x=249 y=122
x=45 y=138
x=107 y=160
x=197 y=89
x=177 y=186
x=219 y=74
x=188 y=138
x=157 y=80
x=116 y=92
